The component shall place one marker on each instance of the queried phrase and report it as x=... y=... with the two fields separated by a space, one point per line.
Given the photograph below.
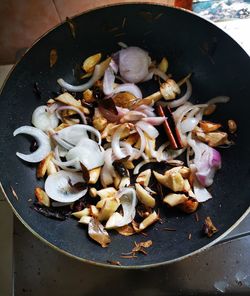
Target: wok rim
x=108 y=265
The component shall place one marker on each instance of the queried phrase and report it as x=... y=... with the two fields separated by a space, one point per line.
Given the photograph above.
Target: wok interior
x=192 y=45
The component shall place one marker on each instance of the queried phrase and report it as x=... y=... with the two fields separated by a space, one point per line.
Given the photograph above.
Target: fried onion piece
x=208 y=227
x=97 y=232
x=43 y=165
x=126 y=230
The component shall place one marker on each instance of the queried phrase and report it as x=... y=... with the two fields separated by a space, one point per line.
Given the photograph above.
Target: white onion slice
x=189 y=124
x=63 y=164
x=108 y=81
x=43 y=119
x=52 y=108
x=141 y=164
x=114 y=66
x=122 y=44
x=151 y=131
x=147 y=110
x=74 y=133
x=128 y=202
x=116 y=143
x=151 y=149
x=128 y=148
x=160 y=151
x=133 y=64
x=138 y=154
x=181 y=110
x=57 y=186
x=132 y=116
x=122 y=111
x=172 y=154
x=129 y=87
x=184 y=98
x=74 y=109
x=88 y=153
x=157 y=120
x=42 y=140
x=62 y=142
x=200 y=192
x=108 y=160
x=61 y=152
x=160 y=74
x=106 y=177
x=219 y=99
x=97 y=74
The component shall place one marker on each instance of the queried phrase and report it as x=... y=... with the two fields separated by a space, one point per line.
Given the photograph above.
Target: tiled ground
x=23 y=21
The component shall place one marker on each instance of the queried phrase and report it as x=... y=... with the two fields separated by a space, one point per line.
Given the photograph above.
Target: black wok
x=219 y=67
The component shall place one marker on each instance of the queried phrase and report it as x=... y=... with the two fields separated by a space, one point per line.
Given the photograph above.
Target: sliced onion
x=122 y=111
x=157 y=120
x=122 y=44
x=142 y=108
x=114 y=66
x=63 y=164
x=62 y=151
x=116 y=143
x=74 y=109
x=184 y=98
x=128 y=148
x=128 y=202
x=62 y=142
x=108 y=81
x=133 y=64
x=108 y=159
x=43 y=119
x=42 y=140
x=219 y=99
x=160 y=73
x=88 y=153
x=58 y=188
x=181 y=110
x=189 y=124
x=108 y=169
x=97 y=74
x=129 y=87
x=106 y=176
x=160 y=151
x=138 y=154
x=172 y=154
x=215 y=159
x=201 y=193
x=147 y=110
x=151 y=131
x=151 y=149
x=141 y=164
x=206 y=161
x=132 y=116
x=74 y=133
x=52 y=108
